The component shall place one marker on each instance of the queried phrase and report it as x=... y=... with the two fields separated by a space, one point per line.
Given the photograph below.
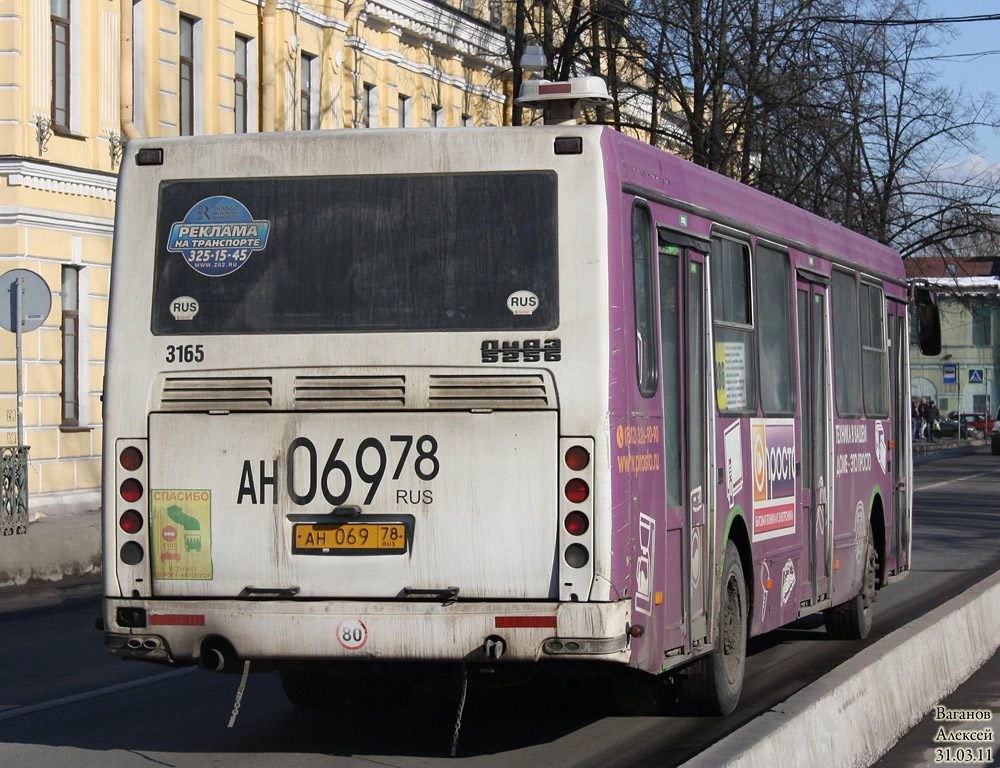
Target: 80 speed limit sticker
x=352 y=634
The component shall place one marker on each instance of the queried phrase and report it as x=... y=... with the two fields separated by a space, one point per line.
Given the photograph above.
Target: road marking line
x=41 y=706
x=956 y=480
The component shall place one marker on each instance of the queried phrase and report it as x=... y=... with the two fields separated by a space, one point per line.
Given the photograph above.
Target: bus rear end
x=343 y=411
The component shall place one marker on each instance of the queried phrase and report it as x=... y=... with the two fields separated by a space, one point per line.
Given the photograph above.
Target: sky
x=980 y=74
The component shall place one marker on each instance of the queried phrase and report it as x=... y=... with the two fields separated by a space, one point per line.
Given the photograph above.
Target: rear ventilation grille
x=349 y=393
x=313 y=390
x=251 y=393
x=491 y=391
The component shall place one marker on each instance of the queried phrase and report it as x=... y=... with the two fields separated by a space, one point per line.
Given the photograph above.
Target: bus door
x=900 y=436
x=814 y=405
x=685 y=417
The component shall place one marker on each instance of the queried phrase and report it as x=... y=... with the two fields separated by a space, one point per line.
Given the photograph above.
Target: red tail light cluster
x=131 y=503
x=576 y=538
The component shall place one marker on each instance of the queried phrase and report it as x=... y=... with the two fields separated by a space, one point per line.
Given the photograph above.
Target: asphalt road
x=64 y=702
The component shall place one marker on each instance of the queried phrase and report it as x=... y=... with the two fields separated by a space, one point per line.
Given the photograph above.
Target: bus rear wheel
x=712 y=685
x=853 y=619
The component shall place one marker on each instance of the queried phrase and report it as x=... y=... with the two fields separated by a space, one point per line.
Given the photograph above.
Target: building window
x=981 y=331
x=307 y=77
x=240 y=83
x=70 y=346
x=437 y=117
x=369 y=106
x=187 y=72
x=60 y=63
x=405 y=111
x=466 y=121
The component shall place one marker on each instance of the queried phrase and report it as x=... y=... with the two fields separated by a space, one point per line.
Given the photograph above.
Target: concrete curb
x=53 y=548
x=853 y=715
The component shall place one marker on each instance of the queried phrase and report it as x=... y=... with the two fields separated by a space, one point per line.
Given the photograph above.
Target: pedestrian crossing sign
x=977 y=375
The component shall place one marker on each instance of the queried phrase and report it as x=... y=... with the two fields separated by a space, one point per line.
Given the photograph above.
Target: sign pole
x=18 y=322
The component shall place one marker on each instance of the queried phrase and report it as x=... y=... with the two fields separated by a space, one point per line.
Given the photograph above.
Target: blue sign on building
x=950 y=372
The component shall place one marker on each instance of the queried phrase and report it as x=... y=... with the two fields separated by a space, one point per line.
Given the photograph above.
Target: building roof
x=939 y=266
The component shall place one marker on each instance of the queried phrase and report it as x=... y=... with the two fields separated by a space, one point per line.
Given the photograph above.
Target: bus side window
x=735 y=371
x=846 y=344
x=647 y=364
x=774 y=320
x=874 y=356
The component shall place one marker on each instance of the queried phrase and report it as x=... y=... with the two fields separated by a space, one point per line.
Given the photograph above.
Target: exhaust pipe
x=218 y=655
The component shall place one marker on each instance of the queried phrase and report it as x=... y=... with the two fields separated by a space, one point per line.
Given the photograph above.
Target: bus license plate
x=349 y=538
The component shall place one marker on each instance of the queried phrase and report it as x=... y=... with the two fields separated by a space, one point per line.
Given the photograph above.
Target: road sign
x=977 y=375
x=25 y=301
x=36 y=300
x=950 y=372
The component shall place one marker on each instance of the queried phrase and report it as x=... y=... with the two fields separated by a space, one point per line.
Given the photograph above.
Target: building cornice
x=61 y=179
x=443 y=26
x=73 y=223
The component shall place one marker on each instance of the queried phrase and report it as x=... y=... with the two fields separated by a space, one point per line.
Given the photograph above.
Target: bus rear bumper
x=182 y=631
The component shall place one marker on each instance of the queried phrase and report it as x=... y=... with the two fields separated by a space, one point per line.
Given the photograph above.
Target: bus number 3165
x=370 y=463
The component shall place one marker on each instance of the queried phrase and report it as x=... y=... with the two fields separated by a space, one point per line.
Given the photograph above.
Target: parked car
x=976 y=424
x=951 y=427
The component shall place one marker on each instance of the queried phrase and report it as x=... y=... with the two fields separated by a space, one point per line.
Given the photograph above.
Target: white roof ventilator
x=563 y=102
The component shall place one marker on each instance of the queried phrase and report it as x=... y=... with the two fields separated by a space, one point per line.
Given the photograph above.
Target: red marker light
x=131 y=458
x=577 y=491
x=577 y=458
x=131 y=490
x=577 y=523
x=130 y=521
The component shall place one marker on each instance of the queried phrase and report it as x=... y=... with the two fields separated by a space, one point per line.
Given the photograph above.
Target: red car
x=976 y=424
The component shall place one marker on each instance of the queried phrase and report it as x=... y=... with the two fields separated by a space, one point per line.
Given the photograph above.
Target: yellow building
x=195 y=67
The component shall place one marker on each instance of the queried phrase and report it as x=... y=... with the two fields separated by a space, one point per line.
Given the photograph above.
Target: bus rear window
x=347 y=253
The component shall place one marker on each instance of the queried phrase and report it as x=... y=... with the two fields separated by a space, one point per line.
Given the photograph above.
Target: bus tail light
x=576 y=523
x=130 y=521
x=130 y=458
x=131 y=490
x=132 y=510
x=577 y=458
x=576 y=511
x=577 y=555
x=577 y=490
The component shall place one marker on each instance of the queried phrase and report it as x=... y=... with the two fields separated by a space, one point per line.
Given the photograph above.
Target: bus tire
x=853 y=619
x=712 y=685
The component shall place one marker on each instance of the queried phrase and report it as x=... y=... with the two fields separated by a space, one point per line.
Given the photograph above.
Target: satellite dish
x=36 y=300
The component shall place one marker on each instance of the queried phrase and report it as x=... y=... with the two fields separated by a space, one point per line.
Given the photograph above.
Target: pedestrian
x=914 y=418
x=923 y=411
x=934 y=417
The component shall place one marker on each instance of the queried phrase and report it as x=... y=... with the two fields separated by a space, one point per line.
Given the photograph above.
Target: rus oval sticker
x=522 y=302
x=184 y=308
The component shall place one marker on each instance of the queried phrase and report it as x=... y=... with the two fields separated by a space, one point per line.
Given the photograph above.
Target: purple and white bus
x=383 y=403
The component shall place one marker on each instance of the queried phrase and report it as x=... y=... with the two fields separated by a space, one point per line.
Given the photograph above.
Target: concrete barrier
x=854 y=714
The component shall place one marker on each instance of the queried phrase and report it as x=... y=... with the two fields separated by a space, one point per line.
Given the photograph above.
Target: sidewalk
x=922 y=448
x=56 y=547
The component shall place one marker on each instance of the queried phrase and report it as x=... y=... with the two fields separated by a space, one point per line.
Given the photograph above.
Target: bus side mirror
x=928 y=322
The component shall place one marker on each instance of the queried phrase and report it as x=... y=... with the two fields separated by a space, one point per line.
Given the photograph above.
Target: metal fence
x=13 y=490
